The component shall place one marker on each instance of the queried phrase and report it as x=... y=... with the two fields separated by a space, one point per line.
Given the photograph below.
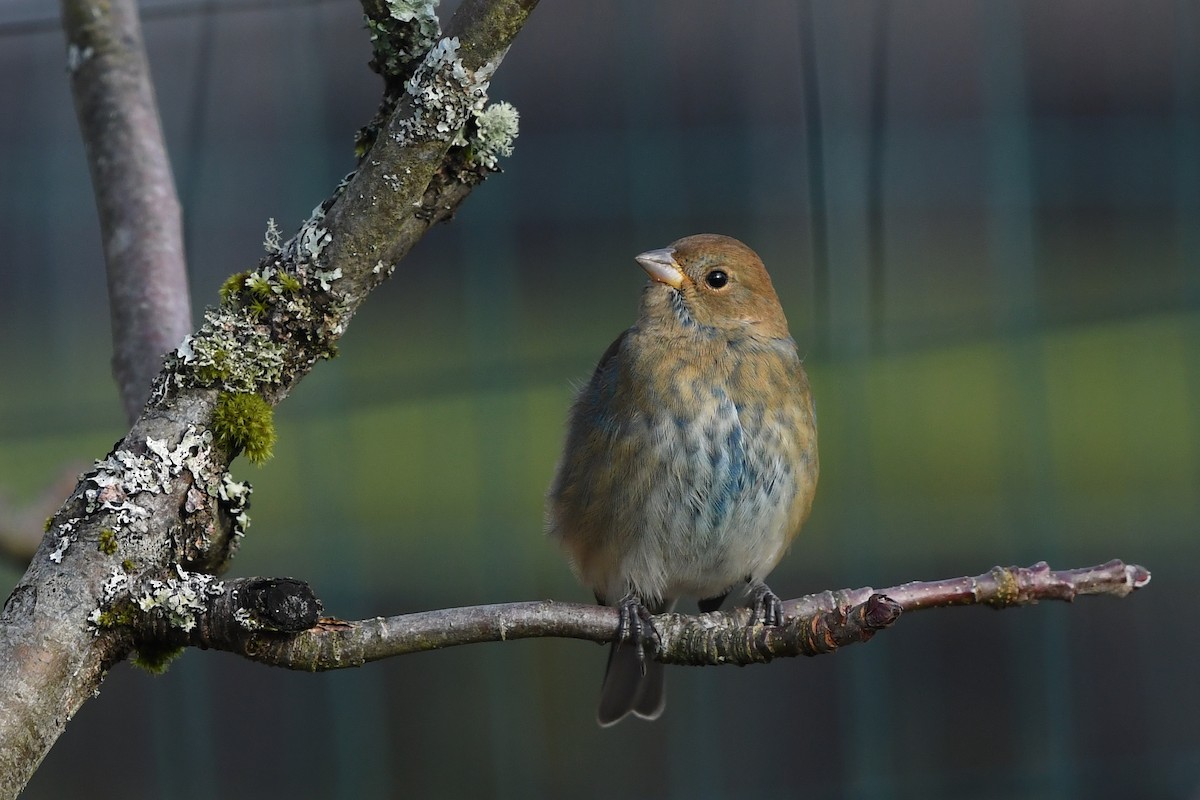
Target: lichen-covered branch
x=815 y=624
x=162 y=507
x=140 y=220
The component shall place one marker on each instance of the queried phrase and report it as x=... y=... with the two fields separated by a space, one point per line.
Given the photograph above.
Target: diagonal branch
x=236 y=619
x=162 y=504
x=135 y=193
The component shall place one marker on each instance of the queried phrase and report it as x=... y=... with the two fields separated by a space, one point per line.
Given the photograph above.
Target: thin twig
x=815 y=624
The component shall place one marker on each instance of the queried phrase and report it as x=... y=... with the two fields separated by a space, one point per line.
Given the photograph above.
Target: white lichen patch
x=444 y=94
x=60 y=549
x=179 y=600
x=327 y=277
x=244 y=618
x=114 y=586
x=496 y=130
x=232 y=352
x=78 y=56
x=309 y=242
x=236 y=496
x=65 y=539
x=393 y=182
x=124 y=474
x=273 y=238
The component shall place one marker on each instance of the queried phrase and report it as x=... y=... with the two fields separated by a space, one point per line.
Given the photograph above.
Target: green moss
x=289 y=282
x=48 y=524
x=155 y=658
x=118 y=616
x=232 y=287
x=108 y=542
x=243 y=421
x=128 y=565
x=258 y=308
x=259 y=286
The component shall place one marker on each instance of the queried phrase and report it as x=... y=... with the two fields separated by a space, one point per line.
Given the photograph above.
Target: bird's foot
x=766 y=606
x=636 y=623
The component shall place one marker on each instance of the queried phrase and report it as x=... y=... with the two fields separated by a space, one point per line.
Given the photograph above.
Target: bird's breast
x=728 y=440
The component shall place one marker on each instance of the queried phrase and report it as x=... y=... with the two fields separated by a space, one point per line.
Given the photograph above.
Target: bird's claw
x=636 y=623
x=767 y=607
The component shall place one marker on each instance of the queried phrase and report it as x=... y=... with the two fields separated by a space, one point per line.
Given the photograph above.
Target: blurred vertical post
x=1046 y=697
x=1186 y=159
x=840 y=206
x=493 y=286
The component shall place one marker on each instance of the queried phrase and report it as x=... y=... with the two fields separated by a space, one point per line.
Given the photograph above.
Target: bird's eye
x=716 y=279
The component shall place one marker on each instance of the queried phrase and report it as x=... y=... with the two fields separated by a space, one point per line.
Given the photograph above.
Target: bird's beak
x=660 y=266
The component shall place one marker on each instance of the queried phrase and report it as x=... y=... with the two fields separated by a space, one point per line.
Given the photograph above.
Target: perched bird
x=691 y=455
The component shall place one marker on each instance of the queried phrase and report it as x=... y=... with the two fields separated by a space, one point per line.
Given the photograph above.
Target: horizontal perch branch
x=274 y=621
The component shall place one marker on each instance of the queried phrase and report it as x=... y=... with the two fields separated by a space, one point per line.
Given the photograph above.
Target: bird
x=690 y=461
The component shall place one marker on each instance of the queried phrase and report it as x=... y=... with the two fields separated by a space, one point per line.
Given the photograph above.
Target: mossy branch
x=164 y=494
x=814 y=625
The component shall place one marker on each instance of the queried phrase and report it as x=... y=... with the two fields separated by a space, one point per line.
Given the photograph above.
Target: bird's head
x=714 y=282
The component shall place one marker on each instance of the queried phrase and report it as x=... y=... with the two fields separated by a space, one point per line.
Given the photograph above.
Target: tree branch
x=814 y=625
x=135 y=192
x=162 y=504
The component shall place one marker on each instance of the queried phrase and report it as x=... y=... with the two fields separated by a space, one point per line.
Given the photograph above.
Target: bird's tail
x=627 y=689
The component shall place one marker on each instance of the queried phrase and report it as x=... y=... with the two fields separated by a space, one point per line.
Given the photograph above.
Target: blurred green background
x=983 y=220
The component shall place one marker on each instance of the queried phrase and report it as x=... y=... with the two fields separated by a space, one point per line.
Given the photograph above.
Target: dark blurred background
x=983 y=220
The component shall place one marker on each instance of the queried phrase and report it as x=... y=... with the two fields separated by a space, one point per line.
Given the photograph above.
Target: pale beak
x=660 y=266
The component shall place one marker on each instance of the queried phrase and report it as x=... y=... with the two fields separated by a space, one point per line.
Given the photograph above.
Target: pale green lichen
x=231 y=352
x=327 y=277
x=445 y=96
x=309 y=242
x=180 y=599
x=402 y=37
x=243 y=421
x=496 y=129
